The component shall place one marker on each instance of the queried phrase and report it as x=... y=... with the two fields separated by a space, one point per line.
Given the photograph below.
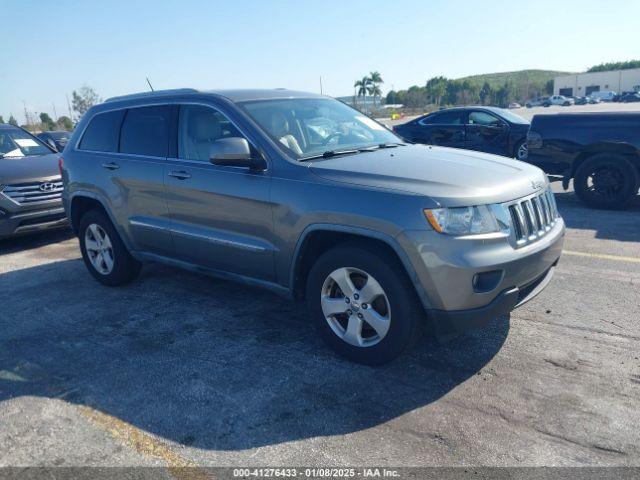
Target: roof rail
x=156 y=93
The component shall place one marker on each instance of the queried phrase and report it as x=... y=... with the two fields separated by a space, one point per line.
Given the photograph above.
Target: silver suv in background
x=306 y=196
x=30 y=184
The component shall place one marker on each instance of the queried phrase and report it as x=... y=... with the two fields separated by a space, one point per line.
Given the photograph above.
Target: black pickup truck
x=600 y=151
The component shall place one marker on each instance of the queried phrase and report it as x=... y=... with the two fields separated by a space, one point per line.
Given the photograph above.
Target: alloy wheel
x=99 y=249
x=355 y=306
x=523 y=152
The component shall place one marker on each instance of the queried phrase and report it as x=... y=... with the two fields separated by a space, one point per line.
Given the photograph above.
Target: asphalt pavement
x=179 y=369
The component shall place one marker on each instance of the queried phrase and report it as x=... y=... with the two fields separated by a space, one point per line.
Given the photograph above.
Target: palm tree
x=376 y=81
x=364 y=87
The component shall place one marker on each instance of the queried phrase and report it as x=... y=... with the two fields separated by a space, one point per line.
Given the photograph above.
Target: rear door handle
x=111 y=166
x=180 y=175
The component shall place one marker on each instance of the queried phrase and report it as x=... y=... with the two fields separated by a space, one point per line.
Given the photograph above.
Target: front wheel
x=606 y=181
x=363 y=304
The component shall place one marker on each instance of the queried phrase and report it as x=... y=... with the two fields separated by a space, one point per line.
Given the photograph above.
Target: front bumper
x=449 y=324
x=448 y=268
x=31 y=221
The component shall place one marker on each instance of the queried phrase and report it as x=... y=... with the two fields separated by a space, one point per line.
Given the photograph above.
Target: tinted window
x=102 y=132
x=444 y=118
x=198 y=128
x=483 y=118
x=145 y=131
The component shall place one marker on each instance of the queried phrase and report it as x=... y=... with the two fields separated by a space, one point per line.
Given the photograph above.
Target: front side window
x=307 y=127
x=15 y=142
x=102 y=132
x=145 y=131
x=483 y=118
x=444 y=118
x=198 y=128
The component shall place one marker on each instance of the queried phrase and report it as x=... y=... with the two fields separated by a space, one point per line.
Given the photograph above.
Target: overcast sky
x=50 y=48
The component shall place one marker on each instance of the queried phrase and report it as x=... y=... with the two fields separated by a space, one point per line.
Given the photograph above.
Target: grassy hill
x=520 y=77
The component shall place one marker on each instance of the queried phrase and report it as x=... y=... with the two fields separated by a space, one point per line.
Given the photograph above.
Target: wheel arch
x=318 y=238
x=624 y=149
x=82 y=202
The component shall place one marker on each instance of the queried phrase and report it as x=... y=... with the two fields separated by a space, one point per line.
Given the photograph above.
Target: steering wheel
x=331 y=136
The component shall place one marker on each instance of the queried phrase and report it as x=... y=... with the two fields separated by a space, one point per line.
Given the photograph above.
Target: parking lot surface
x=179 y=369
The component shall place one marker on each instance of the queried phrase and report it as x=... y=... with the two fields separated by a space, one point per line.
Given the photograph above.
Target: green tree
x=548 y=87
x=47 y=121
x=13 y=121
x=436 y=89
x=83 y=99
x=363 y=87
x=65 y=123
x=605 y=67
x=485 y=93
x=1 y=119
x=376 y=81
x=391 y=97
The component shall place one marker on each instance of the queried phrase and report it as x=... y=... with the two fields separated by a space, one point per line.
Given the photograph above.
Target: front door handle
x=111 y=166
x=180 y=175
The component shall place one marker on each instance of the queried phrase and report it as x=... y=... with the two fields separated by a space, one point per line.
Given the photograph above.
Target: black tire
x=607 y=181
x=407 y=315
x=546 y=104
x=516 y=151
x=125 y=267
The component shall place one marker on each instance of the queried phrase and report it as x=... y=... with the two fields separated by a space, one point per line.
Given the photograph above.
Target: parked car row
x=304 y=195
x=566 y=146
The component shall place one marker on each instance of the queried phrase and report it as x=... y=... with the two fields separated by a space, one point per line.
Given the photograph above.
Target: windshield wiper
x=329 y=154
x=334 y=153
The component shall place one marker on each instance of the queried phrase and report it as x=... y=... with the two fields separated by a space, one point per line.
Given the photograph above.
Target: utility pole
x=320 y=84
x=26 y=114
x=69 y=107
x=55 y=114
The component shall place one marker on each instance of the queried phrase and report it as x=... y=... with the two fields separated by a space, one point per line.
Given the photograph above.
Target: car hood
x=452 y=177
x=30 y=168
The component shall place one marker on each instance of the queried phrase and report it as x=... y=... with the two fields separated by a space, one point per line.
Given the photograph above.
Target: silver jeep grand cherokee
x=304 y=195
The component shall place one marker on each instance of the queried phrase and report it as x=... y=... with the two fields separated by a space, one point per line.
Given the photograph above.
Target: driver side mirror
x=234 y=152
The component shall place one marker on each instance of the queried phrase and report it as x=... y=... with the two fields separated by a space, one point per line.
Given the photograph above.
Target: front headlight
x=463 y=220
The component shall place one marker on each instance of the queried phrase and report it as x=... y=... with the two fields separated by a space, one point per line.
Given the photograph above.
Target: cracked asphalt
x=180 y=370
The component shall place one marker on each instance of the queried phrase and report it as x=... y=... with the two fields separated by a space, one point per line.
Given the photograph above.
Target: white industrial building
x=583 y=84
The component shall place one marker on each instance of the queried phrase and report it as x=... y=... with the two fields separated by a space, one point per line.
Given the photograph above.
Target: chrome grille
x=533 y=217
x=33 y=193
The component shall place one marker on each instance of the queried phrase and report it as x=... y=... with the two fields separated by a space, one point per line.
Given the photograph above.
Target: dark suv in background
x=30 y=184
x=486 y=129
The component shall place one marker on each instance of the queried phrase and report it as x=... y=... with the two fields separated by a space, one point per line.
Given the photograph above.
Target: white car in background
x=559 y=100
x=604 y=96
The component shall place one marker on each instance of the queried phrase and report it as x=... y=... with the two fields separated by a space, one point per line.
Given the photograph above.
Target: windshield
x=308 y=127
x=17 y=143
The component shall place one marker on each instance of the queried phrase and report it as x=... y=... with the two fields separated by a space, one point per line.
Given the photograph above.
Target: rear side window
x=145 y=131
x=102 y=132
x=444 y=118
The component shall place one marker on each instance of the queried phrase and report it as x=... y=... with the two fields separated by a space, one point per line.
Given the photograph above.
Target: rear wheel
x=104 y=253
x=364 y=307
x=606 y=181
